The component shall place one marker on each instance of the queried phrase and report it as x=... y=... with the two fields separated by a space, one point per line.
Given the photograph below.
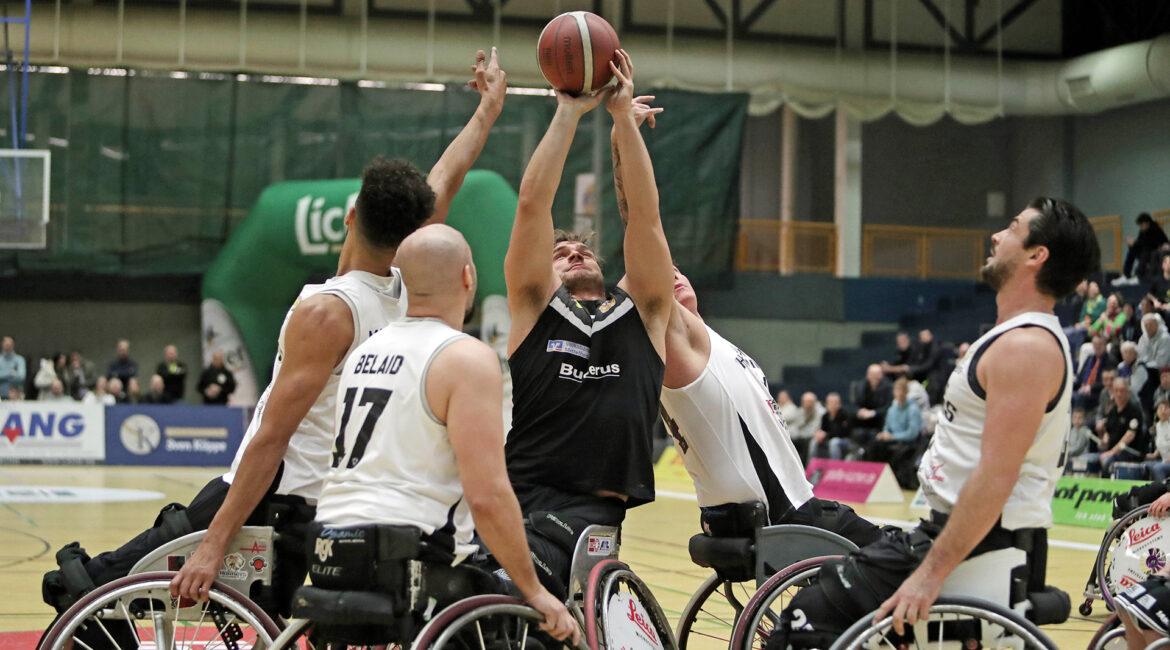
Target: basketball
x=574 y=52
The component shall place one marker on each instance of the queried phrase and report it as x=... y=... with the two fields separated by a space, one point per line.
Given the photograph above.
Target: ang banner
x=173 y=434
x=51 y=432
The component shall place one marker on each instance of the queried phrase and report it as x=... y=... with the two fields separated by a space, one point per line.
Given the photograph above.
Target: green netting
x=152 y=173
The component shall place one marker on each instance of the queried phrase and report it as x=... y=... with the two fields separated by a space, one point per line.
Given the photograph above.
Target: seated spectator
x=1110 y=321
x=1079 y=438
x=1088 y=379
x=1154 y=345
x=15 y=394
x=832 y=437
x=1142 y=251
x=786 y=408
x=903 y=425
x=1091 y=310
x=904 y=353
x=82 y=375
x=46 y=374
x=1106 y=398
x=926 y=365
x=217 y=382
x=1158 y=461
x=122 y=367
x=173 y=373
x=1130 y=369
x=12 y=368
x=117 y=390
x=99 y=395
x=873 y=400
x=1160 y=286
x=1123 y=438
x=1162 y=392
x=1072 y=306
x=1131 y=330
x=56 y=393
x=158 y=392
x=133 y=391
x=805 y=424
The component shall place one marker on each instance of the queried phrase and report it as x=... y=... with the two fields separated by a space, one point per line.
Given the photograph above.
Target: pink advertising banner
x=844 y=480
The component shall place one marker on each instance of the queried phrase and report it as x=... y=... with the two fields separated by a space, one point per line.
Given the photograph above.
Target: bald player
x=420 y=435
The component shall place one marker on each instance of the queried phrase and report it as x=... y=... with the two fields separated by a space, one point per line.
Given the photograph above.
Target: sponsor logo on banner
x=173 y=434
x=220 y=334
x=1080 y=501
x=320 y=228
x=842 y=480
x=52 y=431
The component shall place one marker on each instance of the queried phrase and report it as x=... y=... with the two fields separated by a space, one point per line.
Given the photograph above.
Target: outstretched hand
x=490 y=80
x=621 y=100
x=643 y=112
x=581 y=104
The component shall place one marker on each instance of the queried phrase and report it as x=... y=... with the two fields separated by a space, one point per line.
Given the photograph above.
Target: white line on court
x=1076 y=546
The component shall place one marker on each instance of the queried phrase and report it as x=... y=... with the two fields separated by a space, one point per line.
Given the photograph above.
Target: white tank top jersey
x=373 y=301
x=733 y=442
x=954 y=449
x=392 y=462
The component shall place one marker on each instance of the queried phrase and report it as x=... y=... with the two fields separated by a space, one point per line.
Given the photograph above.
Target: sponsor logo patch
x=568 y=347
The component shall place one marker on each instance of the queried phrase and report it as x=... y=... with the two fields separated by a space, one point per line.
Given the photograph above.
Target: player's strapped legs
x=553 y=522
x=836 y=518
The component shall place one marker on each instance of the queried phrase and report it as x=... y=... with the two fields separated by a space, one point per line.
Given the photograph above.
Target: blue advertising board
x=174 y=434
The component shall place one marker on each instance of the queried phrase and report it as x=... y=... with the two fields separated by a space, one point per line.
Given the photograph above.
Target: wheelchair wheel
x=483 y=623
x=1110 y=636
x=710 y=616
x=620 y=611
x=138 y=610
x=298 y=635
x=761 y=614
x=1107 y=559
x=954 y=622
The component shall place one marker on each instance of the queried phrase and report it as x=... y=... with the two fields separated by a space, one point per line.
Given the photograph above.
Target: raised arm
x=528 y=270
x=464 y=389
x=649 y=271
x=318 y=335
x=447 y=175
x=1013 y=418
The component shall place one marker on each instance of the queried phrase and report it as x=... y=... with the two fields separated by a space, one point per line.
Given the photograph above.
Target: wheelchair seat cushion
x=733 y=558
x=334 y=607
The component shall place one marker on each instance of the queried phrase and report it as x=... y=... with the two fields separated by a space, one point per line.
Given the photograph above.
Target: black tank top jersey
x=585 y=387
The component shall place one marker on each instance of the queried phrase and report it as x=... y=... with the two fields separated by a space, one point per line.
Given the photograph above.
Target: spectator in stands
x=1142 y=251
x=15 y=394
x=873 y=400
x=961 y=351
x=1106 y=398
x=1158 y=460
x=1129 y=369
x=158 y=392
x=786 y=408
x=122 y=367
x=99 y=395
x=56 y=393
x=1162 y=392
x=50 y=370
x=133 y=391
x=82 y=375
x=903 y=425
x=1154 y=345
x=115 y=388
x=173 y=373
x=1160 y=286
x=1131 y=330
x=833 y=435
x=1110 y=320
x=926 y=365
x=1088 y=380
x=904 y=355
x=217 y=382
x=12 y=369
x=1074 y=304
x=1078 y=438
x=805 y=424
x=1123 y=436
x=1091 y=310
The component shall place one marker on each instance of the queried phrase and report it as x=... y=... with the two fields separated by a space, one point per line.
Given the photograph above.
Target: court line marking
x=1076 y=546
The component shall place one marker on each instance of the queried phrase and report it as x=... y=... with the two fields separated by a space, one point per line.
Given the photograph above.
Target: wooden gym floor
x=655 y=540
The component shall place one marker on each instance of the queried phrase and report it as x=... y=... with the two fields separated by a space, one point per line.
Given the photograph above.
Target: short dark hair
x=1145 y=218
x=394 y=201
x=1073 y=253
x=562 y=235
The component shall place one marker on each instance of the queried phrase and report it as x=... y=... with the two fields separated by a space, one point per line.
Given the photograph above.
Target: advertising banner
x=853 y=480
x=140 y=434
x=51 y=432
x=1087 y=502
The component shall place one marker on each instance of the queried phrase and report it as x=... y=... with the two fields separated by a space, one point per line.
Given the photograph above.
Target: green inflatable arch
x=292 y=236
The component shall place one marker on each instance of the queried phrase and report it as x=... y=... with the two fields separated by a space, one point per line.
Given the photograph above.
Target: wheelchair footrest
x=1049 y=607
x=334 y=607
x=733 y=558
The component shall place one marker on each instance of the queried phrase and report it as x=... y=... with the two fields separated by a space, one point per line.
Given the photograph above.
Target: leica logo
x=638 y=619
x=1139 y=535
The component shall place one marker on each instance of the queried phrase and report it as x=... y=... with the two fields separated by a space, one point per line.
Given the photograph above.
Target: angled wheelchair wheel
x=954 y=622
x=485 y=623
x=1118 y=565
x=761 y=614
x=1160 y=644
x=298 y=635
x=138 y=611
x=620 y=611
x=709 y=618
x=1110 y=636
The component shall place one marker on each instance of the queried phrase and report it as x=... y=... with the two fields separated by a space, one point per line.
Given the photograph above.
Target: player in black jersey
x=586 y=363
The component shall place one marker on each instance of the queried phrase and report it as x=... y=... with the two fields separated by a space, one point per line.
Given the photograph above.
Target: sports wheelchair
x=745 y=565
x=983 y=621
x=1134 y=547
x=612 y=605
x=138 y=610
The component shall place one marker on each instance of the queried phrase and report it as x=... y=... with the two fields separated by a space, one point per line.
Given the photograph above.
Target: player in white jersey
x=286 y=450
x=991 y=469
x=420 y=437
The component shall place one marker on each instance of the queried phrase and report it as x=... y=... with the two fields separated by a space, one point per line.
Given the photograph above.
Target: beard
x=996 y=274
x=583 y=282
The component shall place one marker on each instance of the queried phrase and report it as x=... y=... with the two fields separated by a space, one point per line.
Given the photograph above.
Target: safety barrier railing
x=1108 y=231
x=918 y=252
x=786 y=247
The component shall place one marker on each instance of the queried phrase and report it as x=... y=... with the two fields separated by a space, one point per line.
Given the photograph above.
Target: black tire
x=1086 y=608
x=713 y=611
x=761 y=613
x=124 y=612
x=950 y=609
